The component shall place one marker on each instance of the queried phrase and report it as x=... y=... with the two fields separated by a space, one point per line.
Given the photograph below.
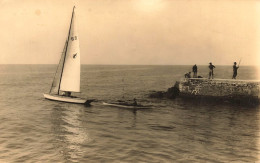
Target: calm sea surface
x=33 y=129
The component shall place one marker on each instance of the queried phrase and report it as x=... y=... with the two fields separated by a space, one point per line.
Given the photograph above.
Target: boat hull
x=75 y=100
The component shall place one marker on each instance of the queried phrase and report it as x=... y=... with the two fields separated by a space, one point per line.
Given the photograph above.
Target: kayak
x=125 y=105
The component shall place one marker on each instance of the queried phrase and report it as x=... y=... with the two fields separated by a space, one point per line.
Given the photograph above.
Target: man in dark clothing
x=235 y=67
x=187 y=75
x=211 y=67
x=195 y=69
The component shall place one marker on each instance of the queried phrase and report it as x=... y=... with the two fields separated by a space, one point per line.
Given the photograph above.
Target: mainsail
x=70 y=77
x=67 y=77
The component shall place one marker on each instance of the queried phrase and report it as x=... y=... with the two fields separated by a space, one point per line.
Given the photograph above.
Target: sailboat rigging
x=67 y=76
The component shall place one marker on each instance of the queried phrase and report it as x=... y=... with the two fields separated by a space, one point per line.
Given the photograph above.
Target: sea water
x=33 y=129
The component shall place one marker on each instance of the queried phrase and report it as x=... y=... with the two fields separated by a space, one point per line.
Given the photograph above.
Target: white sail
x=70 y=80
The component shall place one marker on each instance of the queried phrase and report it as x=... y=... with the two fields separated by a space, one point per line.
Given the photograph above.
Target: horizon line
x=124 y=64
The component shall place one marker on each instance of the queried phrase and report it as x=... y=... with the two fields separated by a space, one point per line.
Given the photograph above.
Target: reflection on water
x=69 y=131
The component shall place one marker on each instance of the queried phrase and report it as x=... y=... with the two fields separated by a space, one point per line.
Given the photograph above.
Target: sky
x=143 y=32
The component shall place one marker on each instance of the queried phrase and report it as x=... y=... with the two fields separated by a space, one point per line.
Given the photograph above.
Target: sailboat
x=67 y=76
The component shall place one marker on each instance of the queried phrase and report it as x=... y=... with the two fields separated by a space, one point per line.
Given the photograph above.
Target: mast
x=66 y=50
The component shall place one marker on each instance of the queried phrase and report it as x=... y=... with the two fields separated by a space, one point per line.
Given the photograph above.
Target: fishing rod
x=239 y=62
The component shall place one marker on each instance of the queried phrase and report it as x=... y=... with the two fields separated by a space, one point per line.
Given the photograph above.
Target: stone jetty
x=239 y=91
x=220 y=88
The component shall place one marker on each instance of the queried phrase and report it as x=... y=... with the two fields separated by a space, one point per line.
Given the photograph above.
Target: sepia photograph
x=130 y=81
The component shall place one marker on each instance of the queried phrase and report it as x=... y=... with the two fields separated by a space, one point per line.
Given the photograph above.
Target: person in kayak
x=134 y=103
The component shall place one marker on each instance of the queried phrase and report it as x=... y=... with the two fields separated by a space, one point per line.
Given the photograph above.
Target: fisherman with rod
x=235 y=67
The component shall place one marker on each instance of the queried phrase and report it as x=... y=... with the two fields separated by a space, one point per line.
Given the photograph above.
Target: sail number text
x=73 y=38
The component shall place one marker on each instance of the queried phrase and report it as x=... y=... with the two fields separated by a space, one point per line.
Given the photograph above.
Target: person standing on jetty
x=195 y=70
x=235 y=67
x=211 y=67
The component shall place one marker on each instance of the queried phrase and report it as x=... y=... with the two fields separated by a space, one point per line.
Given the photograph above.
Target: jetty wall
x=224 y=88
